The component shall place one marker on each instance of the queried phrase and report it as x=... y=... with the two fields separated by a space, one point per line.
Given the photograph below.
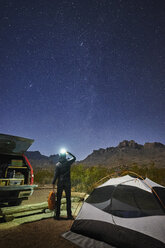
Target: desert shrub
x=43 y=176
x=84 y=179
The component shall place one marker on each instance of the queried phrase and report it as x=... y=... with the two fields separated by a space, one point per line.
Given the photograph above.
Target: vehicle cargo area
x=13 y=171
x=14 y=179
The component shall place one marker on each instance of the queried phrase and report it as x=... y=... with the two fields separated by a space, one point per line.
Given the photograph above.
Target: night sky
x=82 y=74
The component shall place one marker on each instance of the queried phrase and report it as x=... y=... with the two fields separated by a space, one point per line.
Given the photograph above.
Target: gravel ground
x=40 y=234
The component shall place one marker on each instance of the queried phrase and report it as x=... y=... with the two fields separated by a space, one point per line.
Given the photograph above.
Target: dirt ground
x=40 y=194
x=40 y=234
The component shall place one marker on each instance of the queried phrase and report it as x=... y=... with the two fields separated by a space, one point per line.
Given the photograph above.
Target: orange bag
x=51 y=200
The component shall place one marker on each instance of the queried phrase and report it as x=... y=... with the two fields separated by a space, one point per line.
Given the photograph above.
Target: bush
x=43 y=176
x=85 y=179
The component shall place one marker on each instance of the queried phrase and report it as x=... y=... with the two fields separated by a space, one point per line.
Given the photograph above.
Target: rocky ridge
x=125 y=154
x=128 y=153
x=38 y=160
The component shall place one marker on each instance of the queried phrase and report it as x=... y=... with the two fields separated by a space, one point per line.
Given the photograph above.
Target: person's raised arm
x=73 y=158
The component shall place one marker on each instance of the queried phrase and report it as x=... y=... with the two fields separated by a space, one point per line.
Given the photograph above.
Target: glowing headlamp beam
x=63 y=151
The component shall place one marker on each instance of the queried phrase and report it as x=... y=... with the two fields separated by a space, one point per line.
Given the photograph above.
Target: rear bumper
x=10 y=193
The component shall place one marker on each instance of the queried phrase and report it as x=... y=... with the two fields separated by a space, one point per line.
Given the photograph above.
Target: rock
x=153 y=145
x=128 y=153
x=126 y=143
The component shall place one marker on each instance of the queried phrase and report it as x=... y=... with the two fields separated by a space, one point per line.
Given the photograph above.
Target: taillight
x=31 y=170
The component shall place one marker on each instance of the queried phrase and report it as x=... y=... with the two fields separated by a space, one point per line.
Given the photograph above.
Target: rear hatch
x=14 y=145
x=16 y=173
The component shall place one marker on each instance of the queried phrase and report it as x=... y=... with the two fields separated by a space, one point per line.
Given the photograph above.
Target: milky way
x=82 y=74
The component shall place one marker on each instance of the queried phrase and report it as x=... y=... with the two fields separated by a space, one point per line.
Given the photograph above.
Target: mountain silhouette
x=127 y=153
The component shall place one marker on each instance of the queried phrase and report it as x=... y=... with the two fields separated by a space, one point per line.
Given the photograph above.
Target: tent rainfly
x=123 y=212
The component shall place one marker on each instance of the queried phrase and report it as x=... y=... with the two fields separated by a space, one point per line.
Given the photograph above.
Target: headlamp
x=63 y=151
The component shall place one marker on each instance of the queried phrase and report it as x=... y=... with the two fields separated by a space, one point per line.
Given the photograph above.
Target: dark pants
x=67 y=188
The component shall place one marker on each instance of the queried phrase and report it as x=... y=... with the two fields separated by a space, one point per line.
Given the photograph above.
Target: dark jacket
x=62 y=170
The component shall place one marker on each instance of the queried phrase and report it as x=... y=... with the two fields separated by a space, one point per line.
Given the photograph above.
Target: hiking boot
x=70 y=217
x=57 y=217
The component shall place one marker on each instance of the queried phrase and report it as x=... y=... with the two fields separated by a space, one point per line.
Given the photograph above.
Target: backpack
x=51 y=200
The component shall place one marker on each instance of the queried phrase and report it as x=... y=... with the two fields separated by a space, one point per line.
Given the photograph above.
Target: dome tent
x=123 y=212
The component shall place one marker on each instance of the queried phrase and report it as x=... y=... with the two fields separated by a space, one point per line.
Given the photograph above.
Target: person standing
x=62 y=176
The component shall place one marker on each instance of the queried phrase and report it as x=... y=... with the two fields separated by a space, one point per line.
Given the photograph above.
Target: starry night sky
x=82 y=74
